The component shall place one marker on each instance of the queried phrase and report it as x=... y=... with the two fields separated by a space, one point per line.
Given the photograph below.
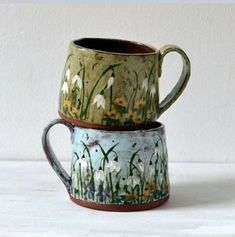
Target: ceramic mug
x=111 y=82
x=114 y=171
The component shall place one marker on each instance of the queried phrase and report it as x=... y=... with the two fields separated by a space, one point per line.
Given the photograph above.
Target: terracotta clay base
x=84 y=124
x=120 y=208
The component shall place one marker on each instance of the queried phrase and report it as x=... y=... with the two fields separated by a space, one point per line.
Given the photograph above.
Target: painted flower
x=139 y=104
x=133 y=181
x=141 y=165
x=147 y=194
x=99 y=175
x=137 y=118
x=113 y=166
x=151 y=185
x=100 y=100
x=151 y=168
x=157 y=150
x=83 y=162
x=121 y=102
x=67 y=73
x=75 y=180
x=65 y=88
x=145 y=84
x=149 y=114
x=113 y=114
x=153 y=90
x=110 y=82
x=77 y=79
x=74 y=110
x=67 y=103
x=128 y=116
x=130 y=196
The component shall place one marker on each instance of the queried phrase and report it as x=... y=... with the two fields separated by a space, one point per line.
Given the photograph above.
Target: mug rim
x=152 y=126
x=74 y=43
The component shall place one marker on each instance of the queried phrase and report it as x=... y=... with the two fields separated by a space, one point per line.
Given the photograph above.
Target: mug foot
x=119 y=207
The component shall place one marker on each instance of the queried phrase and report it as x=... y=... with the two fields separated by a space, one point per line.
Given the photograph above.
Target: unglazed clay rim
x=151 y=127
x=120 y=207
x=155 y=51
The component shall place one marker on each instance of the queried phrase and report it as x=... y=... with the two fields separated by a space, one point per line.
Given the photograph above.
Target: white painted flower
x=113 y=166
x=151 y=169
x=67 y=73
x=100 y=100
x=77 y=79
x=110 y=82
x=145 y=84
x=83 y=163
x=75 y=180
x=153 y=90
x=141 y=165
x=99 y=175
x=133 y=181
x=157 y=150
x=65 y=88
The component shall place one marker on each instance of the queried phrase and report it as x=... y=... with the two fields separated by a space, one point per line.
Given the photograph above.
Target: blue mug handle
x=50 y=155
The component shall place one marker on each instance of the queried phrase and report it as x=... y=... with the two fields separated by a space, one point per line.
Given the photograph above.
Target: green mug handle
x=183 y=80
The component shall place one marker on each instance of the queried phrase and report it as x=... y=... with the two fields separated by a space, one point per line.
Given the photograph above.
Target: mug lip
x=152 y=126
x=155 y=50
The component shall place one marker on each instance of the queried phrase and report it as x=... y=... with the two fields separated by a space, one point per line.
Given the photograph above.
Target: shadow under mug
x=112 y=82
x=114 y=171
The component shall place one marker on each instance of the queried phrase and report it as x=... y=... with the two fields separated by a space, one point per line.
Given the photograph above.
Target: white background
x=34 y=39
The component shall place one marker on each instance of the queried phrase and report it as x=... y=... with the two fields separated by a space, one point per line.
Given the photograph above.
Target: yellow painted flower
x=147 y=194
x=151 y=185
x=128 y=116
x=130 y=196
x=74 y=110
x=139 y=104
x=149 y=114
x=137 y=118
x=121 y=102
x=67 y=103
x=113 y=114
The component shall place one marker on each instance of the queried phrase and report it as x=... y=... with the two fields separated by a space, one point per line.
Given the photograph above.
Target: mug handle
x=54 y=162
x=183 y=80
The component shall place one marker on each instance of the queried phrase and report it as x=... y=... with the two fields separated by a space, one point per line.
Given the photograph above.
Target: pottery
x=115 y=83
x=114 y=171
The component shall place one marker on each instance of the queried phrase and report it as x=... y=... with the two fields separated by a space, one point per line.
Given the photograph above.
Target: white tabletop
x=34 y=202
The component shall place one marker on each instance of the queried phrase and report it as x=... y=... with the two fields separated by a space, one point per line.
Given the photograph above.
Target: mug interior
x=114 y=46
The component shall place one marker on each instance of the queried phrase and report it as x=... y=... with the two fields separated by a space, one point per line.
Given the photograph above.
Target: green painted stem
x=111 y=186
x=83 y=92
x=80 y=174
x=136 y=88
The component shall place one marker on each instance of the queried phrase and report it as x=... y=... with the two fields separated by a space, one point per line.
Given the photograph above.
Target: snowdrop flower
x=151 y=168
x=83 y=163
x=113 y=166
x=99 y=175
x=145 y=84
x=99 y=99
x=141 y=165
x=65 y=88
x=110 y=82
x=153 y=90
x=77 y=79
x=133 y=181
x=75 y=180
x=67 y=73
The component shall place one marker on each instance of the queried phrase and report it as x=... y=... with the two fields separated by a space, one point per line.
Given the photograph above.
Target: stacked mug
x=109 y=100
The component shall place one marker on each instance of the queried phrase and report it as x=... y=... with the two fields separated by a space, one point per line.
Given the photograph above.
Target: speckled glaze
x=116 y=88
x=114 y=170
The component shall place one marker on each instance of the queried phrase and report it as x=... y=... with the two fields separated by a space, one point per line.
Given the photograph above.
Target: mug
x=115 y=83
x=114 y=170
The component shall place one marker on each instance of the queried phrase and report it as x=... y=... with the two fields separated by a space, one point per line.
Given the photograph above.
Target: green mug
x=112 y=83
